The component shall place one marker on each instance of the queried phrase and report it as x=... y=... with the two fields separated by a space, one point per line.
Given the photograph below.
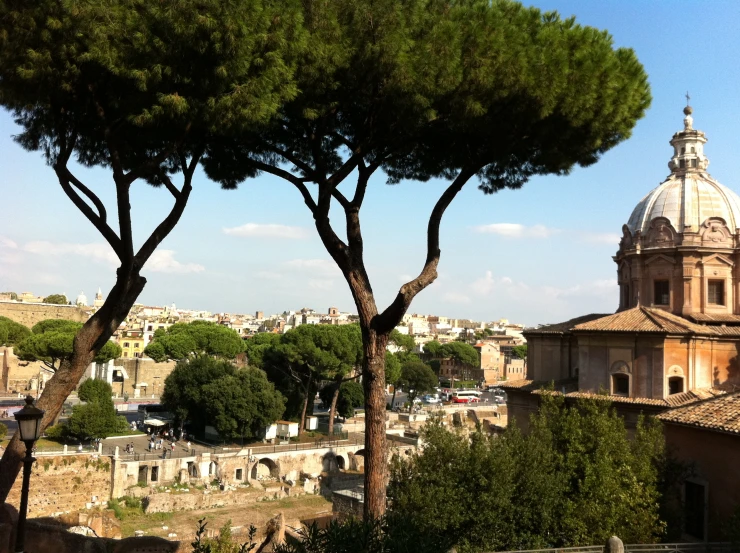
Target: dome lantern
x=688 y=147
x=680 y=249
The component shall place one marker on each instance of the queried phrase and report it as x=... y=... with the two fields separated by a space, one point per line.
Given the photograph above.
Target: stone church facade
x=672 y=348
x=675 y=337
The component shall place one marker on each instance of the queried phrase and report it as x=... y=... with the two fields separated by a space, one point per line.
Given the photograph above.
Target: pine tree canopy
x=428 y=88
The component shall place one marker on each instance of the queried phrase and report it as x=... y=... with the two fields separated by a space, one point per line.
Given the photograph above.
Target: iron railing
x=689 y=547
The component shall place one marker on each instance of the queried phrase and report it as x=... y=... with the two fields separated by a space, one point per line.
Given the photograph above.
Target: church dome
x=687 y=202
x=689 y=197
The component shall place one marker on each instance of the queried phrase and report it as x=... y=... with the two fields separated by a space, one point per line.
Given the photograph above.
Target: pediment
x=718 y=258
x=660 y=257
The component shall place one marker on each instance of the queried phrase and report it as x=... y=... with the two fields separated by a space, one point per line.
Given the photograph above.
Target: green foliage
x=56 y=432
x=11 y=333
x=79 y=60
x=507 y=91
x=435 y=365
x=462 y=353
x=386 y=535
x=302 y=357
x=243 y=404
x=126 y=507
x=519 y=352
x=403 y=341
x=97 y=417
x=184 y=340
x=351 y=396
x=574 y=479
x=3 y=431
x=392 y=368
x=51 y=342
x=58 y=299
x=417 y=378
x=209 y=391
x=434 y=348
x=258 y=345
x=94 y=389
x=183 y=387
x=224 y=542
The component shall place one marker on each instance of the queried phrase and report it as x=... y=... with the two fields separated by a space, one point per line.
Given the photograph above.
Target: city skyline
x=537 y=255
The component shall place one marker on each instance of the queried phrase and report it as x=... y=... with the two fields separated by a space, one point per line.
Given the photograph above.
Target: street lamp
x=29 y=427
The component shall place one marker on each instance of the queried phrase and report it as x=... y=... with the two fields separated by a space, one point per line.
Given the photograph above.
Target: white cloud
x=484 y=286
x=515 y=230
x=604 y=288
x=316 y=266
x=405 y=278
x=269 y=275
x=317 y=284
x=267 y=231
x=611 y=238
x=454 y=297
x=96 y=250
x=7 y=243
x=163 y=261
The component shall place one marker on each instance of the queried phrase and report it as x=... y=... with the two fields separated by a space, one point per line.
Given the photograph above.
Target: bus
x=466 y=396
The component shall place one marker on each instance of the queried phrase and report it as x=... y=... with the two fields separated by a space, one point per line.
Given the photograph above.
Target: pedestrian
x=188 y=445
x=173 y=447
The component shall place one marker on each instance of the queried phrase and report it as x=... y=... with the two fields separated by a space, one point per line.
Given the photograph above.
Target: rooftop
x=718 y=413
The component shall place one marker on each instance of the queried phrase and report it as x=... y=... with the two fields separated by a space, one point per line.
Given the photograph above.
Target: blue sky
x=547 y=257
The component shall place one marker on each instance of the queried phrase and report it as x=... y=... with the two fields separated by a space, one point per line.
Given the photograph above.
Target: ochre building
x=676 y=334
x=672 y=348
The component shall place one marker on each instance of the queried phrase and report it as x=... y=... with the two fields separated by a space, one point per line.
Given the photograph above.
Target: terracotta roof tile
x=571 y=391
x=714 y=318
x=558 y=328
x=644 y=319
x=718 y=413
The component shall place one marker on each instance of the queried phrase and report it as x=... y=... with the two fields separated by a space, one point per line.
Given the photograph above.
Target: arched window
x=620 y=384
x=675 y=385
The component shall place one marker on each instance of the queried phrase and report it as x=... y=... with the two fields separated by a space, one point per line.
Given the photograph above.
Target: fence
x=156 y=455
x=694 y=547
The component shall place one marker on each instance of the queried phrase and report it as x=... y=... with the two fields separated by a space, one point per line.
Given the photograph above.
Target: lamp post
x=29 y=427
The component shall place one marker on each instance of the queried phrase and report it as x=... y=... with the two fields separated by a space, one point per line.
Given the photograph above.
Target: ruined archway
x=357 y=460
x=265 y=469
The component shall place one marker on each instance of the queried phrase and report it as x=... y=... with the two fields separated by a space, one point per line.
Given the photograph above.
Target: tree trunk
x=333 y=408
x=305 y=407
x=376 y=456
x=393 y=399
x=91 y=337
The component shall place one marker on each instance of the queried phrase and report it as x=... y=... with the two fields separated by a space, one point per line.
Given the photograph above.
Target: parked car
x=431 y=399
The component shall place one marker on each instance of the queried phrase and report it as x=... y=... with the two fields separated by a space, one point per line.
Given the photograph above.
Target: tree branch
x=171 y=187
x=65 y=177
x=169 y=222
x=388 y=319
x=297 y=182
x=365 y=173
x=344 y=202
x=307 y=170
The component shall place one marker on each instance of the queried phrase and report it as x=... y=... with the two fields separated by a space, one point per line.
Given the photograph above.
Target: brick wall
x=29 y=314
x=64 y=483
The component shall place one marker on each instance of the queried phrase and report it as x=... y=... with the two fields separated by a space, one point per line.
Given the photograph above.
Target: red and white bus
x=466 y=396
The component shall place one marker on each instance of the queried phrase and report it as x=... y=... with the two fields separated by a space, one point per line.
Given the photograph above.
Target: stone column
x=614 y=545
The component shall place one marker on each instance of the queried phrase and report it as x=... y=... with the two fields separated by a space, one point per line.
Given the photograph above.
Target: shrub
x=56 y=432
x=3 y=431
